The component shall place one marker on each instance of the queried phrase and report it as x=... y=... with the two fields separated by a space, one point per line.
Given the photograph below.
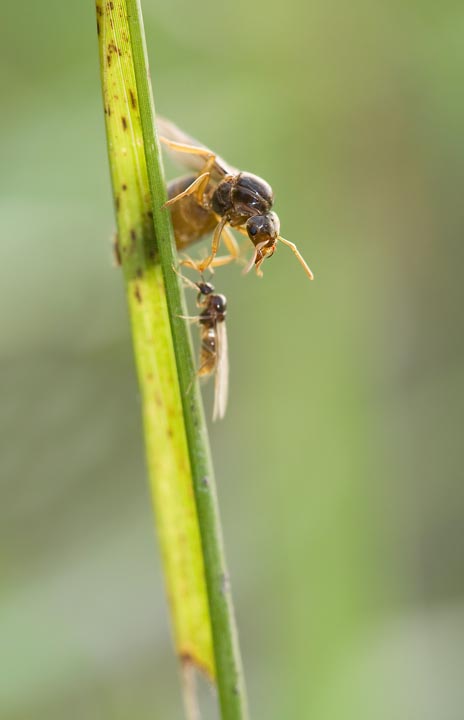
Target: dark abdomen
x=208 y=350
x=190 y=220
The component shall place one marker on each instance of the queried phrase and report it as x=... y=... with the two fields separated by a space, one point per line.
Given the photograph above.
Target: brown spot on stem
x=133 y=99
x=124 y=122
x=113 y=48
x=98 y=26
x=124 y=186
x=117 y=203
x=137 y=293
x=139 y=273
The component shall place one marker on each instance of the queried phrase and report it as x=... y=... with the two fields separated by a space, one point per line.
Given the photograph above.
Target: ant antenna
x=299 y=256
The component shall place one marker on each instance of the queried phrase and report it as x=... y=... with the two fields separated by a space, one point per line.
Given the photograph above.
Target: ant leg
x=197 y=188
x=214 y=261
x=203 y=264
x=189 y=262
x=197 y=265
x=234 y=251
x=190 y=318
x=208 y=156
x=187 y=281
x=299 y=256
x=218 y=261
x=259 y=272
x=231 y=243
x=254 y=260
x=199 y=373
x=251 y=262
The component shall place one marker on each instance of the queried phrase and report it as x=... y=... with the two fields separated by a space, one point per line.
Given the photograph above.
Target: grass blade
x=175 y=432
x=165 y=439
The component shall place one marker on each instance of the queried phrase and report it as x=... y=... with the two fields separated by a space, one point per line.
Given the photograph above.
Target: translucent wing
x=221 y=378
x=193 y=161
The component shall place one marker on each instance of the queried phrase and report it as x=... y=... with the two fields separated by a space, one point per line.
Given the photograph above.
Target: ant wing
x=221 y=378
x=198 y=156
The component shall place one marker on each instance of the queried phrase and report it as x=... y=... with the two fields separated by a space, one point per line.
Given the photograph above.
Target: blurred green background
x=339 y=463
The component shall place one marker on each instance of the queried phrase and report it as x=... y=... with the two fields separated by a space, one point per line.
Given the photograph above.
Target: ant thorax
x=241 y=196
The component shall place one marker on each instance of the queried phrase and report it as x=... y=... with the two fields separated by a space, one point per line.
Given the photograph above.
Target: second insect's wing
x=194 y=161
x=221 y=378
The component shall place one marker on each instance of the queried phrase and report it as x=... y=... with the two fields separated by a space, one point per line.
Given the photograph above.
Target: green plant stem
x=175 y=433
x=225 y=643
x=164 y=429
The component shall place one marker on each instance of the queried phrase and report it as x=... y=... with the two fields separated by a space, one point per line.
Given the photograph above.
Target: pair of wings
x=194 y=161
x=221 y=373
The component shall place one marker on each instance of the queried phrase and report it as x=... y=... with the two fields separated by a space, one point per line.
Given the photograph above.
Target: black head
x=205 y=288
x=263 y=231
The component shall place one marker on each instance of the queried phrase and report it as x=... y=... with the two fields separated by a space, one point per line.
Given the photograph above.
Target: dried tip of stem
x=192 y=710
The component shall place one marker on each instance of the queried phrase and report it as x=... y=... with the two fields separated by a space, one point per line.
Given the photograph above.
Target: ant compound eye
x=254 y=225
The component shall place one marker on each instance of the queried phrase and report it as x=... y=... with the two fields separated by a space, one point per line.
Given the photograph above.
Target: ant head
x=263 y=231
x=205 y=288
x=263 y=228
